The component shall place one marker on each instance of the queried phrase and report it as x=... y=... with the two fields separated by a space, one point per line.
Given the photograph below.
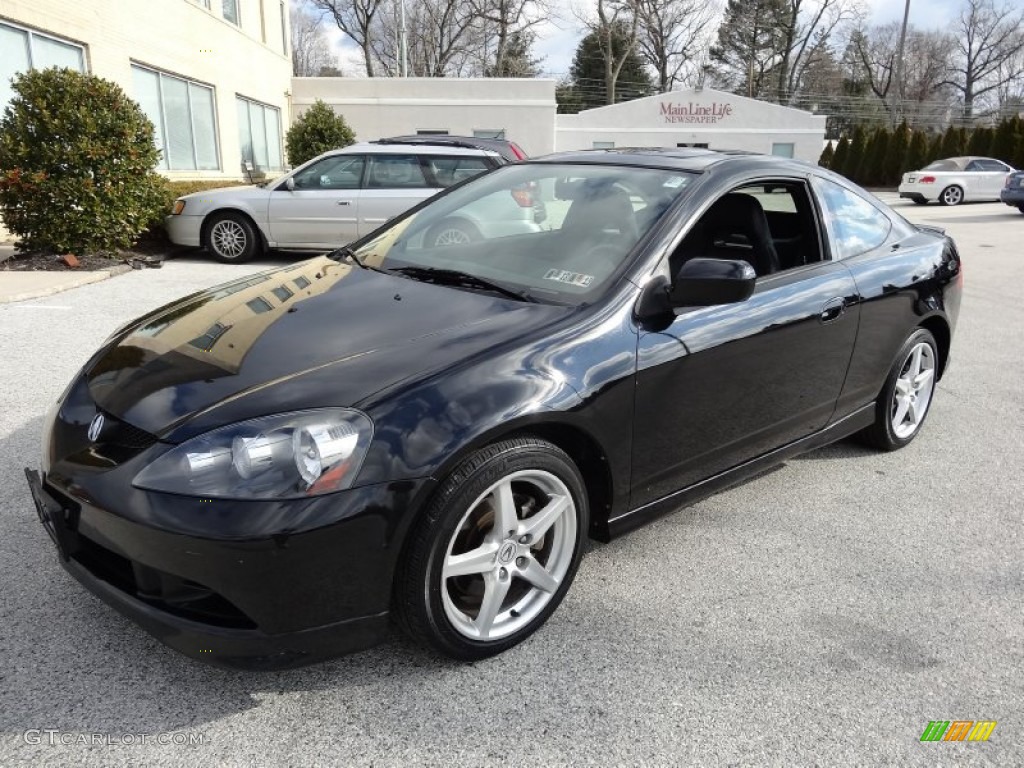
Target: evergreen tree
x=980 y=142
x=1005 y=139
x=917 y=153
x=839 y=159
x=315 y=131
x=750 y=40
x=895 y=155
x=1018 y=153
x=872 y=168
x=952 y=144
x=519 y=60
x=825 y=160
x=855 y=155
x=586 y=76
x=934 y=150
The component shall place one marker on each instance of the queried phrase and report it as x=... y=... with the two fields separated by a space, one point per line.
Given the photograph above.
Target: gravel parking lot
x=821 y=614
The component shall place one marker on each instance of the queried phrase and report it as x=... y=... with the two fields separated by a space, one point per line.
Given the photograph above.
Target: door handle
x=832 y=309
x=344 y=202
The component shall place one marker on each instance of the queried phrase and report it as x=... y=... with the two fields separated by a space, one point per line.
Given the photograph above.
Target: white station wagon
x=342 y=195
x=956 y=180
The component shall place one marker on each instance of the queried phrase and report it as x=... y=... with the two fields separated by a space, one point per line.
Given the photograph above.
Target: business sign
x=677 y=112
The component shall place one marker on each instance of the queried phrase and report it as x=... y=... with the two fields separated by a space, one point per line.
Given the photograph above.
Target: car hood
x=316 y=334
x=248 y=192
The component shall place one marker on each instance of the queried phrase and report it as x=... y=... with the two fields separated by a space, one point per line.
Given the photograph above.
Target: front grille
x=167 y=592
x=120 y=441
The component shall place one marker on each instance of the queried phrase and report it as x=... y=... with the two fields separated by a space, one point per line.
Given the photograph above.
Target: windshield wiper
x=347 y=253
x=465 y=279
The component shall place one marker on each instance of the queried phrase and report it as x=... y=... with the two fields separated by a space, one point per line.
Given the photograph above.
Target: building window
x=22 y=50
x=283 y=293
x=259 y=134
x=230 y=9
x=259 y=305
x=489 y=133
x=604 y=145
x=204 y=3
x=263 y=21
x=208 y=339
x=301 y=282
x=183 y=114
x=783 y=149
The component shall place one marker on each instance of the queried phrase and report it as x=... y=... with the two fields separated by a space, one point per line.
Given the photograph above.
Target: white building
x=212 y=75
x=695 y=118
x=521 y=110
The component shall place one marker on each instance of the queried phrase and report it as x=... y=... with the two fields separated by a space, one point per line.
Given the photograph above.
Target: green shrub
x=317 y=130
x=825 y=159
x=841 y=155
x=76 y=164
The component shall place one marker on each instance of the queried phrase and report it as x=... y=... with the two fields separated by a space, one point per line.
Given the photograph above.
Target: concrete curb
x=21 y=286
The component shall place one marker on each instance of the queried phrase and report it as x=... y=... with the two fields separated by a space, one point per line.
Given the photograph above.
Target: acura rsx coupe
x=274 y=470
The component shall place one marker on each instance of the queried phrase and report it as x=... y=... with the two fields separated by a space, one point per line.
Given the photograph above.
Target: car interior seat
x=734 y=227
x=600 y=210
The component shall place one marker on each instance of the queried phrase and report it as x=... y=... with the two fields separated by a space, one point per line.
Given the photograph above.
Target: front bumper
x=255 y=584
x=184 y=229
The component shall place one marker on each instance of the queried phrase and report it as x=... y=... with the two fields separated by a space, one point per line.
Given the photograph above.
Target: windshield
x=552 y=232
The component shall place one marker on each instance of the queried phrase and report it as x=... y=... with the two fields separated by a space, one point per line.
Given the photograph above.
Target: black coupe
x=271 y=471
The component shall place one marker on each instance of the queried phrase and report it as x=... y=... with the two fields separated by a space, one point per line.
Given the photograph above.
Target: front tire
x=231 y=238
x=495 y=551
x=452 y=232
x=952 y=195
x=906 y=398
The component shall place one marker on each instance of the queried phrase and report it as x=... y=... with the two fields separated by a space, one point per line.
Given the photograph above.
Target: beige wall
x=721 y=120
x=179 y=37
x=379 y=107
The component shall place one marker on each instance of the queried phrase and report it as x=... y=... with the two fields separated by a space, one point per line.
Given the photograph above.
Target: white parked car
x=342 y=195
x=956 y=180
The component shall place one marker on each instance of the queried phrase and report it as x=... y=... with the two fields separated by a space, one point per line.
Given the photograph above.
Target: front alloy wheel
x=495 y=552
x=231 y=238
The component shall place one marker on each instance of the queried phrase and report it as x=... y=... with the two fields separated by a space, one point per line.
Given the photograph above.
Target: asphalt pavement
x=821 y=614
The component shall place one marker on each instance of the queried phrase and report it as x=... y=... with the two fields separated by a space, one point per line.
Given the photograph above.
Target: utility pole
x=897 y=112
x=403 y=46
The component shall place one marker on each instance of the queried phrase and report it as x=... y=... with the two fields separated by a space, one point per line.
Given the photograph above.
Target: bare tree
x=615 y=28
x=988 y=38
x=357 y=19
x=671 y=35
x=311 y=53
x=507 y=21
x=807 y=26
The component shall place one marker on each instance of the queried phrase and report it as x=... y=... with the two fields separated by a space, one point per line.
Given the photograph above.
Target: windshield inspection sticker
x=570 y=278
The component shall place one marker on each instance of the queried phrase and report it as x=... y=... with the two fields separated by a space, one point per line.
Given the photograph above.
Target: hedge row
x=879 y=158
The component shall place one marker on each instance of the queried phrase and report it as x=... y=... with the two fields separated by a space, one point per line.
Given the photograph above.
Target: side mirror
x=289 y=183
x=703 y=282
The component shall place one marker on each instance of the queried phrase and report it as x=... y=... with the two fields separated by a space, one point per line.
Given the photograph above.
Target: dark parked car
x=268 y=472
x=509 y=150
x=1013 y=191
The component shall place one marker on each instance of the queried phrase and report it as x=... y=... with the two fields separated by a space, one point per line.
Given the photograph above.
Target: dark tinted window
x=452 y=170
x=857 y=225
x=395 y=172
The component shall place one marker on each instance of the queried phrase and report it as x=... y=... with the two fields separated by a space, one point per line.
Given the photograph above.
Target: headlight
x=291 y=455
x=179 y=206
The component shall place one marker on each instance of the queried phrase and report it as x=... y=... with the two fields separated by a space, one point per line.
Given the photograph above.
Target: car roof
x=404 y=149
x=690 y=159
x=502 y=146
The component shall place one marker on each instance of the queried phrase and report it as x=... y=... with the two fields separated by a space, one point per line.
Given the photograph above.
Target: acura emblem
x=95 y=427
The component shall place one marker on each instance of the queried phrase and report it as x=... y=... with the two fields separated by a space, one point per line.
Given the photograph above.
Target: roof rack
x=439 y=140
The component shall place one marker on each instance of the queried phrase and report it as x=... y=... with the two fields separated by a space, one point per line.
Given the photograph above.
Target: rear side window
x=451 y=170
x=857 y=226
x=991 y=165
x=395 y=172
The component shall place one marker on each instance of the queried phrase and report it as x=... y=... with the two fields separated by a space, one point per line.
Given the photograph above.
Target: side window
x=857 y=226
x=975 y=165
x=395 y=172
x=770 y=225
x=993 y=165
x=338 y=172
x=451 y=170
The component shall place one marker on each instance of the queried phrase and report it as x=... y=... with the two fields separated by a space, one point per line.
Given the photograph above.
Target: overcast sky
x=558 y=38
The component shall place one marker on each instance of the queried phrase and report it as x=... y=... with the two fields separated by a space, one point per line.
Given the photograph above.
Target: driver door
x=323 y=208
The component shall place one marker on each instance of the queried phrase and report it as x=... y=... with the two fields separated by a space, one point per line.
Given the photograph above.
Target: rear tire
x=231 y=238
x=907 y=396
x=494 y=552
x=952 y=195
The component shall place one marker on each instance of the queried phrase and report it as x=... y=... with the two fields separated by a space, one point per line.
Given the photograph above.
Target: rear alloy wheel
x=952 y=195
x=495 y=552
x=452 y=232
x=903 y=405
x=231 y=238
